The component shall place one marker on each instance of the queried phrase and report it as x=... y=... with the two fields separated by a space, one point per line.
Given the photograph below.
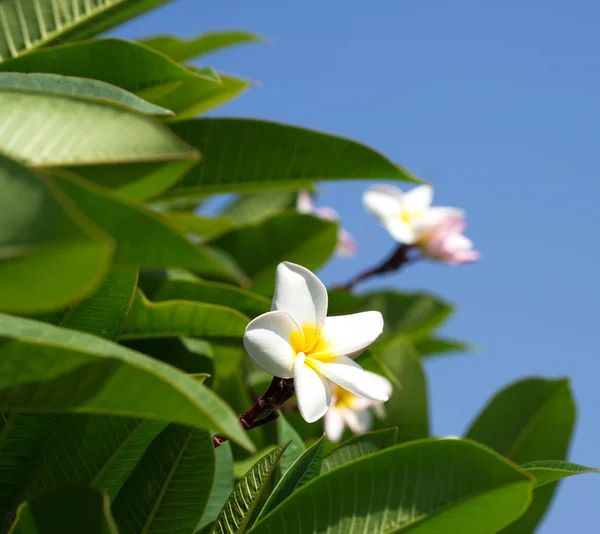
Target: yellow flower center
x=309 y=341
x=343 y=398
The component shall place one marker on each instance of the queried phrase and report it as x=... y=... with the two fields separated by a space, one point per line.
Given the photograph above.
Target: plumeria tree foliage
x=135 y=329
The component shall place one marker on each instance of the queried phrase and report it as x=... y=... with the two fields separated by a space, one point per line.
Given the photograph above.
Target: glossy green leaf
x=424 y=487
x=29 y=24
x=96 y=132
x=244 y=155
x=408 y=406
x=110 y=61
x=242 y=467
x=412 y=315
x=161 y=289
x=259 y=248
x=170 y=486
x=530 y=420
x=176 y=318
x=222 y=486
x=130 y=224
x=181 y=49
x=436 y=346
x=306 y=467
x=103 y=313
x=50 y=253
x=95 y=450
x=83 y=87
x=23 y=441
x=256 y=207
x=238 y=510
x=192 y=97
x=287 y=434
x=48 y=369
x=71 y=510
x=192 y=224
x=359 y=446
x=547 y=471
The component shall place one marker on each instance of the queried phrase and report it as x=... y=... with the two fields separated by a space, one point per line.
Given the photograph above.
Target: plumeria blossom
x=447 y=244
x=346 y=245
x=408 y=217
x=297 y=340
x=349 y=410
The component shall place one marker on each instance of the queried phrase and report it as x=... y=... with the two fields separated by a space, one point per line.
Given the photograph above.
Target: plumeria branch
x=398 y=259
x=265 y=408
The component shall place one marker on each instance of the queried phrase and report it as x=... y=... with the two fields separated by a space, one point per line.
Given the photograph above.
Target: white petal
x=267 y=341
x=358 y=421
x=346 y=245
x=349 y=335
x=301 y=294
x=383 y=382
x=312 y=391
x=437 y=215
x=305 y=202
x=419 y=198
x=401 y=231
x=334 y=424
x=346 y=373
x=361 y=403
x=383 y=201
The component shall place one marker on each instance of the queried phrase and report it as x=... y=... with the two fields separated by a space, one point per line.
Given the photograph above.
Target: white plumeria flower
x=409 y=216
x=349 y=410
x=297 y=340
x=346 y=244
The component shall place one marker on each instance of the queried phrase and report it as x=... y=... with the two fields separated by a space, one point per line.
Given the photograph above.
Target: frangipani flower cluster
x=411 y=220
x=297 y=340
x=349 y=410
x=346 y=245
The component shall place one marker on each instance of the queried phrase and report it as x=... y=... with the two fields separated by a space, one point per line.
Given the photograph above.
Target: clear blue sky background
x=495 y=103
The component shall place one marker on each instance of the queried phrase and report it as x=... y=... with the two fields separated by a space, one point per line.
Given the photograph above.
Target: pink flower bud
x=446 y=243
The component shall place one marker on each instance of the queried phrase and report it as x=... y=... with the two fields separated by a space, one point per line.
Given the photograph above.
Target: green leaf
x=192 y=97
x=306 y=467
x=529 y=420
x=547 y=471
x=95 y=450
x=48 y=369
x=50 y=253
x=426 y=487
x=222 y=486
x=96 y=132
x=205 y=43
x=435 y=346
x=244 y=155
x=83 y=87
x=170 y=486
x=161 y=289
x=242 y=467
x=71 y=510
x=192 y=224
x=33 y=23
x=23 y=440
x=237 y=512
x=259 y=248
x=102 y=314
x=412 y=315
x=359 y=446
x=287 y=434
x=111 y=61
x=182 y=318
x=407 y=407
x=130 y=224
x=254 y=208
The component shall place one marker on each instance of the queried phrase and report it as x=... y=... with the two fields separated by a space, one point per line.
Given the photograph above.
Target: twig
x=264 y=409
x=395 y=261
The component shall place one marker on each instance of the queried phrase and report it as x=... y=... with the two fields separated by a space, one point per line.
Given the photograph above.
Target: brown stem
x=264 y=409
x=395 y=261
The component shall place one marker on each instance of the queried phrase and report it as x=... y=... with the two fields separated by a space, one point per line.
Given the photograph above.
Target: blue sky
x=497 y=105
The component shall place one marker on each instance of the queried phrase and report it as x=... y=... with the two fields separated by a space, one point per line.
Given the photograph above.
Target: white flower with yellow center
x=349 y=410
x=297 y=340
x=408 y=217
